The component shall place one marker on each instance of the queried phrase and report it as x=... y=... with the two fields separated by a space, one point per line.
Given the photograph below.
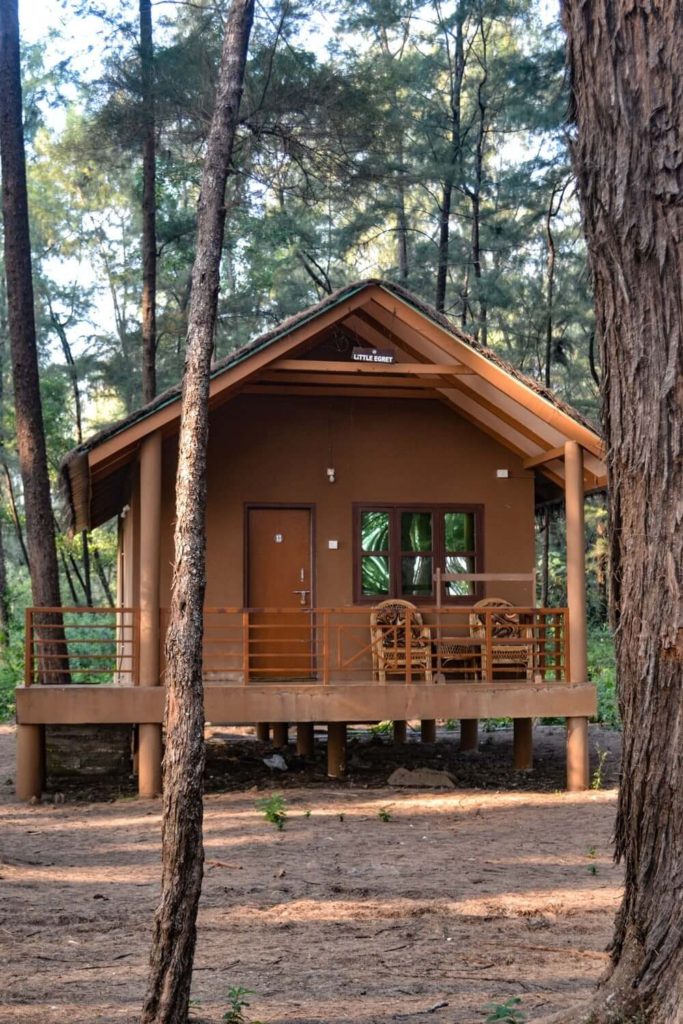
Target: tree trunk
x=627 y=85
x=172 y=954
x=475 y=193
x=29 y=419
x=149 y=238
x=454 y=155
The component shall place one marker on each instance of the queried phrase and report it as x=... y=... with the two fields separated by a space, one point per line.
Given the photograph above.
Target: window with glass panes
x=399 y=548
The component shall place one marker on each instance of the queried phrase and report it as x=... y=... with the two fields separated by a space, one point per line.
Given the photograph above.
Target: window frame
x=438 y=551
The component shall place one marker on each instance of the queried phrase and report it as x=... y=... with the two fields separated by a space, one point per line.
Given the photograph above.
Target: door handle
x=302 y=596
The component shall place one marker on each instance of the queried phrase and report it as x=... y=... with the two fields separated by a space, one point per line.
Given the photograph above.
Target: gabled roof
x=435 y=358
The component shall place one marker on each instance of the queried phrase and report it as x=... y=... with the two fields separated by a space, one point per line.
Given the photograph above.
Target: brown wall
x=272 y=450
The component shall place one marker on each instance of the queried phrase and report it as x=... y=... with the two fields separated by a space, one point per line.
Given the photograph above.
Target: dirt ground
x=503 y=887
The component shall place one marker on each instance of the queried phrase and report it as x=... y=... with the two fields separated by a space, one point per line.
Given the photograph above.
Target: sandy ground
x=460 y=899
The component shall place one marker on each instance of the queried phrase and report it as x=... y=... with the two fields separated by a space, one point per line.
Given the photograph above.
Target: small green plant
x=382 y=728
x=506 y=1012
x=273 y=808
x=592 y=869
x=384 y=814
x=341 y=817
x=451 y=724
x=307 y=814
x=596 y=781
x=237 y=1002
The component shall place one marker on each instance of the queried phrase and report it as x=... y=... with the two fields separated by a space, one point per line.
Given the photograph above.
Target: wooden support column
x=280 y=734
x=150 y=751
x=577 y=754
x=469 y=733
x=523 y=744
x=30 y=761
x=400 y=731
x=577 y=733
x=428 y=730
x=305 y=739
x=336 y=750
x=263 y=731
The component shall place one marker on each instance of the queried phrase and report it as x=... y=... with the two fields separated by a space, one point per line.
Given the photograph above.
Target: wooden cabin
x=372 y=479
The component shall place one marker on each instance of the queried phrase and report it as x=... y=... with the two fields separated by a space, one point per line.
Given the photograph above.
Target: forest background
x=420 y=142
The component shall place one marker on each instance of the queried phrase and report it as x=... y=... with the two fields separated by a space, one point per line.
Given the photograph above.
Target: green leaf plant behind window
x=374 y=565
x=400 y=549
x=459 y=551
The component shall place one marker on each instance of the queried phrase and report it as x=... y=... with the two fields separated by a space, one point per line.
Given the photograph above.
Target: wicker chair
x=505 y=626
x=389 y=640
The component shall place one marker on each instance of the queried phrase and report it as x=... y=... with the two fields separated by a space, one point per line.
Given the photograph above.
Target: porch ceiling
x=434 y=361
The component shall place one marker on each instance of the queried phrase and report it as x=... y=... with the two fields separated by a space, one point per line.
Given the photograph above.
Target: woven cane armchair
x=505 y=625
x=389 y=640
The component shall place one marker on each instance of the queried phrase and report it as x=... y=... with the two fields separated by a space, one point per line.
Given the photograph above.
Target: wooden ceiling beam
x=548 y=456
x=350 y=379
x=342 y=392
x=372 y=369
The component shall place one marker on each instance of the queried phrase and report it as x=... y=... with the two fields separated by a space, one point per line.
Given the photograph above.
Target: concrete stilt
x=428 y=730
x=30 y=761
x=469 y=734
x=523 y=745
x=577 y=754
x=149 y=760
x=280 y=734
x=263 y=731
x=400 y=731
x=336 y=750
x=305 y=738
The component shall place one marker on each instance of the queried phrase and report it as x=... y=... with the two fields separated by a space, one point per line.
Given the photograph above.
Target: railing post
x=28 y=647
x=409 y=644
x=488 y=638
x=245 y=646
x=326 y=647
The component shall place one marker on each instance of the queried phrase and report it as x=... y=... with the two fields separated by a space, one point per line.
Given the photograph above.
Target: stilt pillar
x=428 y=730
x=150 y=747
x=469 y=734
x=577 y=754
x=263 y=731
x=336 y=750
x=400 y=731
x=280 y=734
x=577 y=728
x=305 y=739
x=30 y=761
x=523 y=744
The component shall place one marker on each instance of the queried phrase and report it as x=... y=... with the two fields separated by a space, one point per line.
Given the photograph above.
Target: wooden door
x=279 y=576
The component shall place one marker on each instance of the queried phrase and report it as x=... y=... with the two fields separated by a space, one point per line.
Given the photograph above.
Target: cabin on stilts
x=373 y=474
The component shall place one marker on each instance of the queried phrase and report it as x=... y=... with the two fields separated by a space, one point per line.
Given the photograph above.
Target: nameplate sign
x=372 y=355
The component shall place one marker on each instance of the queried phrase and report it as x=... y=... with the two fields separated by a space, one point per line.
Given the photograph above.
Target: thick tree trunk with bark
x=174 y=938
x=627 y=83
x=29 y=419
x=149 y=236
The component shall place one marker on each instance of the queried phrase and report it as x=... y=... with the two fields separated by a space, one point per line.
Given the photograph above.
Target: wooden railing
x=80 y=645
x=304 y=646
x=336 y=645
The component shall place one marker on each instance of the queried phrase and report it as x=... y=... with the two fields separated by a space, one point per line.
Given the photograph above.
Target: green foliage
x=602 y=671
x=237 y=1003
x=273 y=808
x=381 y=728
x=384 y=814
x=506 y=1013
x=596 y=781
